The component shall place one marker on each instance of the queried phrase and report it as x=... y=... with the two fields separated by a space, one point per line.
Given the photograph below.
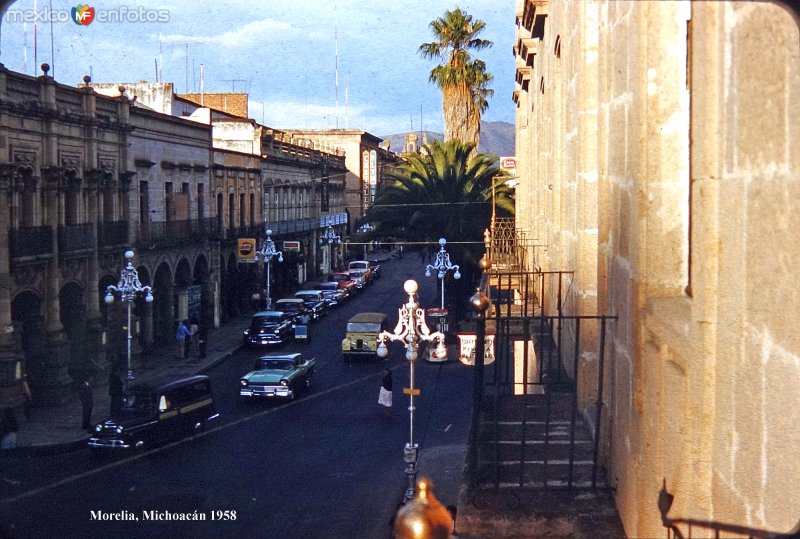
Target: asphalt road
x=328 y=464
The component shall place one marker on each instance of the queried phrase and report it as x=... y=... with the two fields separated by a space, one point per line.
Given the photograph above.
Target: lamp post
x=362 y=230
x=410 y=330
x=127 y=288
x=267 y=252
x=442 y=265
x=329 y=237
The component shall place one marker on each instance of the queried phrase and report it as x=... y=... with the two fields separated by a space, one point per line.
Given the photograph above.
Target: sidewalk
x=57 y=429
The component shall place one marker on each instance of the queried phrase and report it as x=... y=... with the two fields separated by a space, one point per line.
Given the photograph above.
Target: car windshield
x=289 y=307
x=363 y=327
x=355 y=274
x=338 y=278
x=137 y=404
x=276 y=364
x=259 y=321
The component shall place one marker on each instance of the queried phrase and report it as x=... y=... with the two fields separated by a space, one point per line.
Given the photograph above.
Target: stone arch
x=28 y=320
x=163 y=304
x=72 y=314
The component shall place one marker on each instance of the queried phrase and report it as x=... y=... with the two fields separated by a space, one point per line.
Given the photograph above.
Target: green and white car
x=278 y=376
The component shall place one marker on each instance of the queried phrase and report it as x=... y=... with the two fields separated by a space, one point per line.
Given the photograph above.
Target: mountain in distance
x=496 y=138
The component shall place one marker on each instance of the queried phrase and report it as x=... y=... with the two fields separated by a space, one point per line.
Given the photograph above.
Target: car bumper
x=279 y=392
x=108 y=443
x=269 y=341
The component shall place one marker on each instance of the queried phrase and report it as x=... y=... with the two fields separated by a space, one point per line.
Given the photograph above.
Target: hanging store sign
x=291 y=246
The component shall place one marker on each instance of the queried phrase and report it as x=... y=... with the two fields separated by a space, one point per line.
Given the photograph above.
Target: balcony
x=164 y=233
x=112 y=234
x=72 y=238
x=30 y=241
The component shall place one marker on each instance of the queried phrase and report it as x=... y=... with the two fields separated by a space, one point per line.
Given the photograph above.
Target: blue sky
x=283 y=53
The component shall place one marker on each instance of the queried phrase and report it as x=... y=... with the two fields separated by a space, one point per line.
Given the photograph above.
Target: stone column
x=55 y=383
x=9 y=353
x=94 y=326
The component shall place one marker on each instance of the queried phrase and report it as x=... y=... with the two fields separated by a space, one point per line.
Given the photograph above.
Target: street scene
x=364 y=269
x=328 y=447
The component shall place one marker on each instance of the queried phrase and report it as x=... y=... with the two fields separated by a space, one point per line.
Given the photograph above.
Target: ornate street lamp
x=329 y=236
x=442 y=265
x=127 y=288
x=410 y=330
x=267 y=252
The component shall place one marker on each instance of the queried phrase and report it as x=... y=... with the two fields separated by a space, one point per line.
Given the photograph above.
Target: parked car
x=375 y=266
x=364 y=266
x=295 y=308
x=268 y=328
x=280 y=376
x=358 y=276
x=345 y=282
x=156 y=411
x=315 y=302
x=361 y=338
x=335 y=295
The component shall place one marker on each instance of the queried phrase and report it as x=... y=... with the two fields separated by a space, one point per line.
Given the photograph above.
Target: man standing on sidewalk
x=183 y=337
x=115 y=391
x=87 y=403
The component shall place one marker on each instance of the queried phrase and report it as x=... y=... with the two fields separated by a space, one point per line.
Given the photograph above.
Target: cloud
x=289 y=114
x=242 y=35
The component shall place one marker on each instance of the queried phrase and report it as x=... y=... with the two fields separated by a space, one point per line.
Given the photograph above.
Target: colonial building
x=85 y=177
x=657 y=148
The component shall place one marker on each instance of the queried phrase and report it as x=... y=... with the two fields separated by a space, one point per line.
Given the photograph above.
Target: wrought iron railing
x=112 y=234
x=708 y=528
x=30 y=241
x=171 y=232
x=73 y=238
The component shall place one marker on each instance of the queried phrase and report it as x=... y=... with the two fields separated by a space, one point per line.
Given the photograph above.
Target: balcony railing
x=73 y=238
x=170 y=232
x=30 y=241
x=112 y=234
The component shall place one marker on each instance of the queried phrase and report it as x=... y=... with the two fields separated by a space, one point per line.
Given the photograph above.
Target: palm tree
x=441 y=193
x=462 y=79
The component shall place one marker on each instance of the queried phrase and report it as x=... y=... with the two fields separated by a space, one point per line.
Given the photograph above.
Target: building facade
x=657 y=148
x=84 y=177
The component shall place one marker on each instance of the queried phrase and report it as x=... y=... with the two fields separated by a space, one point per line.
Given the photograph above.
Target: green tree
x=442 y=192
x=463 y=79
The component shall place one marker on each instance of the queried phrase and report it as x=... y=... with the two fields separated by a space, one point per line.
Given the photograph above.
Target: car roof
x=282 y=356
x=269 y=313
x=289 y=300
x=165 y=383
x=314 y=291
x=368 y=317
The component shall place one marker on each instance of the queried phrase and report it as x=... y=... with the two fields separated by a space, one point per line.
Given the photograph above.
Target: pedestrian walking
x=385 y=394
x=183 y=337
x=26 y=390
x=115 y=391
x=87 y=403
x=202 y=343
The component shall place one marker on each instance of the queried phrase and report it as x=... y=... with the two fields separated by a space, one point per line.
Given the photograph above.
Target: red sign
x=291 y=246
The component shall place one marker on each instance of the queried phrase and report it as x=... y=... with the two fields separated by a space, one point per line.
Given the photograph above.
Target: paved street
x=328 y=464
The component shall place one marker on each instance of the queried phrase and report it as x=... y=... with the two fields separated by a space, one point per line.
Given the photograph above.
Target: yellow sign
x=410 y=391
x=246 y=250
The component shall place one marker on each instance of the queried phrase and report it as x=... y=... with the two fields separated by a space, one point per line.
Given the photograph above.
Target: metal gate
x=540 y=417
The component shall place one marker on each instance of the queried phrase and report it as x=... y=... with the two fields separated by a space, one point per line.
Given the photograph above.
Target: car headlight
x=243 y=383
x=119 y=429
x=284 y=383
x=98 y=427
x=246 y=332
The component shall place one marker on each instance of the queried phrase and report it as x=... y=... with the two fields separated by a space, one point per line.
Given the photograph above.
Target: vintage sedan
x=268 y=328
x=345 y=282
x=156 y=411
x=278 y=376
x=315 y=302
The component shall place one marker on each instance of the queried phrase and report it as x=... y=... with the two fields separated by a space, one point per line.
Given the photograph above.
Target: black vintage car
x=156 y=411
x=268 y=328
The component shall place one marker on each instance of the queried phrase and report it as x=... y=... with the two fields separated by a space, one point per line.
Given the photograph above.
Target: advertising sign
x=291 y=246
x=467 y=349
x=246 y=250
